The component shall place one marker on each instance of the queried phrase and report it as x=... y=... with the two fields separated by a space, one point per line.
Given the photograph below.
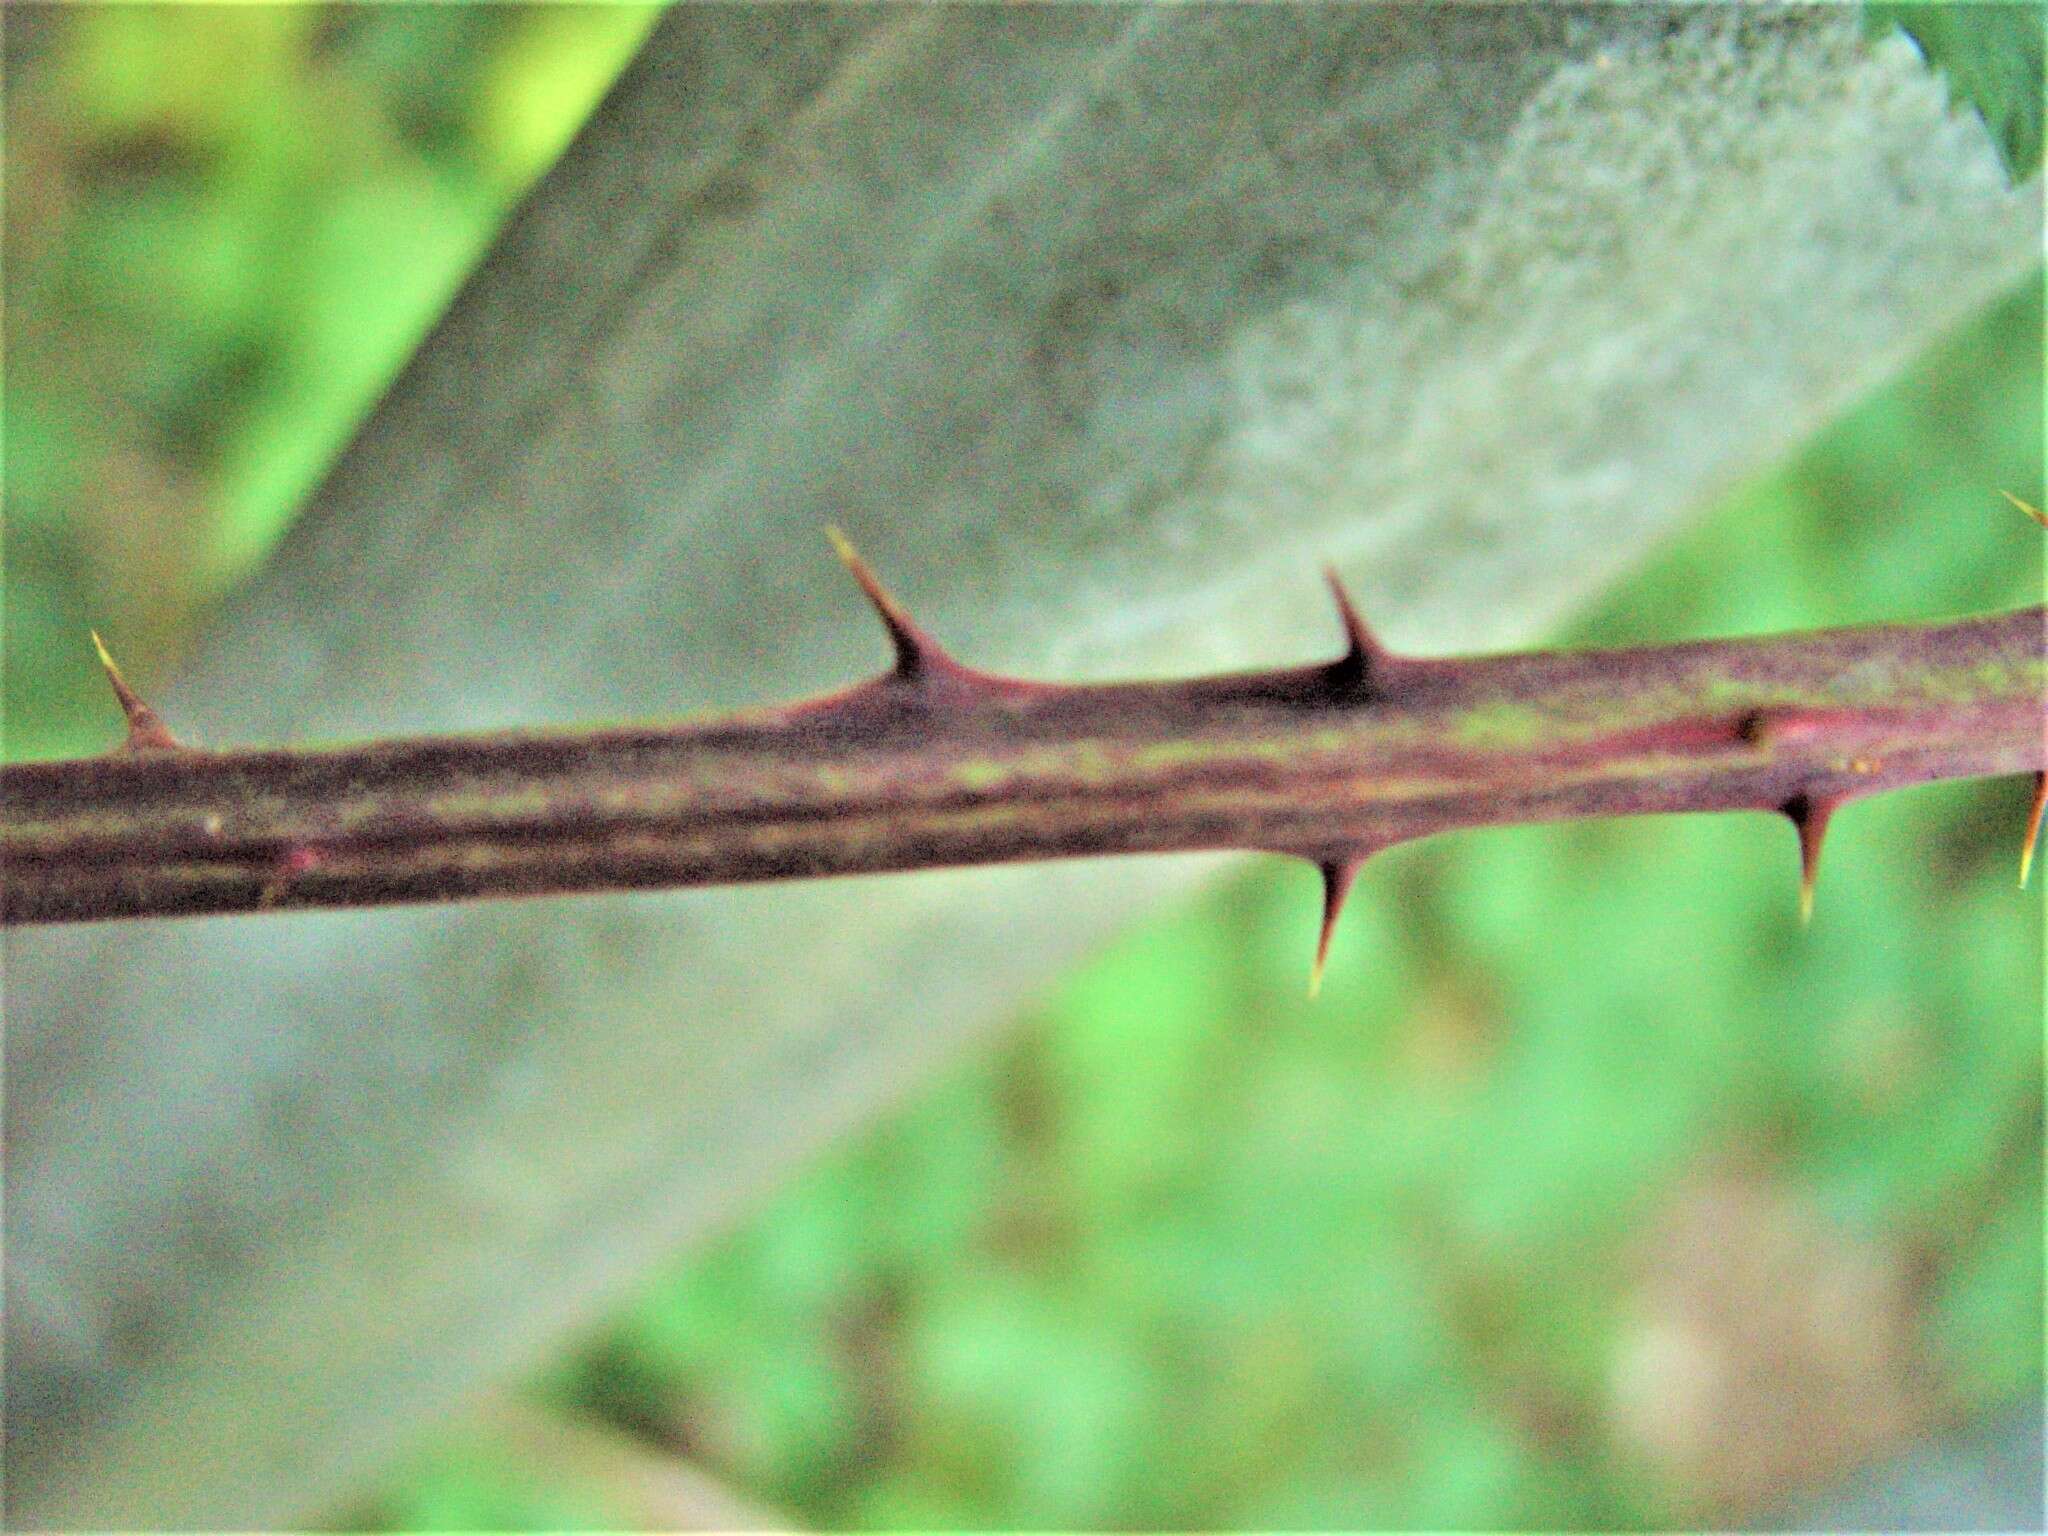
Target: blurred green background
x=1593 y=1192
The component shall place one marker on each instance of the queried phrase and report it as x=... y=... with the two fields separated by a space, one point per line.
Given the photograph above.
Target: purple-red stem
x=935 y=764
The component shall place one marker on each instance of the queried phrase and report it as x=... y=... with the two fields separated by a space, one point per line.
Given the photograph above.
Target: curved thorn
x=2033 y=832
x=145 y=729
x=2032 y=511
x=916 y=652
x=1337 y=878
x=1810 y=818
x=1364 y=656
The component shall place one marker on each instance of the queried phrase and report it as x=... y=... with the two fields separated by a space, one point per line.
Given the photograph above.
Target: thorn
x=916 y=652
x=1364 y=657
x=2032 y=511
x=1810 y=818
x=2033 y=831
x=1337 y=880
x=146 y=732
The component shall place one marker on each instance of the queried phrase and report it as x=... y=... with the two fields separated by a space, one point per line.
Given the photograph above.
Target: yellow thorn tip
x=863 y=573
x=916 y=652
x=1337 y=880
x=2027 y=507
x=144 y=728
x=2033 y=833
x=131 y=705
x=1810 y=819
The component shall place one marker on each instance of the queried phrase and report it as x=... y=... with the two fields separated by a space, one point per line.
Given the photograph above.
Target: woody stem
x=938 y=765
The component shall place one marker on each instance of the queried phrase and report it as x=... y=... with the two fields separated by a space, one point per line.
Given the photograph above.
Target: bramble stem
x=936 y=765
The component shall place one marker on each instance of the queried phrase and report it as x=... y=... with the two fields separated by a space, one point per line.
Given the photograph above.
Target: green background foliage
x=1578 y=1106
x=226 y=231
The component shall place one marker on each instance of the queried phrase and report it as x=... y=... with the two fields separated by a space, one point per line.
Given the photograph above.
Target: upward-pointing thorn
x=1364 y=656
x=2033 y=831
x=917 y=654
x=2032 y=511
x=146 y=732
x=1337 y=878
x=1810 y=818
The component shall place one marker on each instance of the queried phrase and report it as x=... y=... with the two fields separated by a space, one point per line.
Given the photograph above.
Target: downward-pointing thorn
x=1337 y=878
x=1810 y=818
x=2033 y=832
x=1364 y=656
x=145 y=730
x=916 y=652
x=2032 y=511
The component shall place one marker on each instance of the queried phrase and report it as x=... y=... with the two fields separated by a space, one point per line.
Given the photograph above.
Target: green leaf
x=1992 y=56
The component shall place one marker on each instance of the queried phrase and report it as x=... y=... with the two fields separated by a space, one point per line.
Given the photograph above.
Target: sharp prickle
x=2027 y=507
x=1337 y=879
x=146 y=731
x=2033 y=833
x=1809 y=816
x=917 y=653
x=1364 y=657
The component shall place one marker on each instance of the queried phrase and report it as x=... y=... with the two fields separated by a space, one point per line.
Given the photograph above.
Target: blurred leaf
x=1991 y=54
x=465 y=1482
x=546 y=77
